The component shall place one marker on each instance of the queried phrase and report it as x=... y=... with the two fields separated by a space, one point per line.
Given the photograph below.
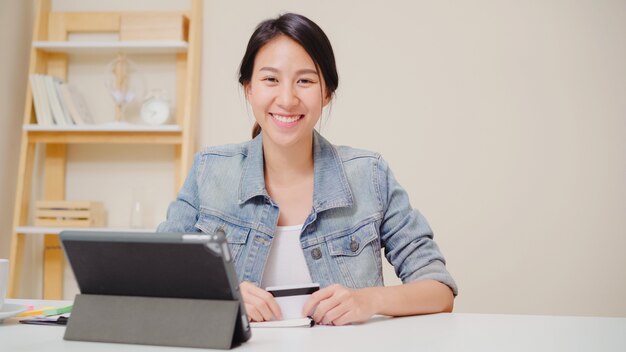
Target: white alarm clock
x=155 y=109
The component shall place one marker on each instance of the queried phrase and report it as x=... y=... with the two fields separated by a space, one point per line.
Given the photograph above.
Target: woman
x=297 y=209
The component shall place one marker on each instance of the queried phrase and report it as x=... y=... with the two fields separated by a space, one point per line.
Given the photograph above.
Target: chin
x=283 y=139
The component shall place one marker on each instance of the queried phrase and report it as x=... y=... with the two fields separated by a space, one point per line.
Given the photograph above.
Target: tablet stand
x=153 y=321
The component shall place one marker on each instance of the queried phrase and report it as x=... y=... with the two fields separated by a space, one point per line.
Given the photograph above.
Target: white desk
x=439 y=332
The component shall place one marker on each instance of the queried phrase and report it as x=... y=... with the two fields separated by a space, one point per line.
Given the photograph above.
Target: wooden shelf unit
x=50 y=55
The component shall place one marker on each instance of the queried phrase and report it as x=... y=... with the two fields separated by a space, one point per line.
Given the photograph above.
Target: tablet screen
x=176 y=270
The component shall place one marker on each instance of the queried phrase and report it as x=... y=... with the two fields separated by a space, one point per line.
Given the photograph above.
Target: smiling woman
x=305 y=211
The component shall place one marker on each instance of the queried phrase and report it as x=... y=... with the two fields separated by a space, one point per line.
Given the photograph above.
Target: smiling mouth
x=286 y=118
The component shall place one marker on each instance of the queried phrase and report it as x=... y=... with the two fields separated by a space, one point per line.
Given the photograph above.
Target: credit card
x=293 y=290
x=291 y=298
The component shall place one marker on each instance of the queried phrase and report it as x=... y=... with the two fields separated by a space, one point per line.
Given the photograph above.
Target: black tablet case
x=154 y=289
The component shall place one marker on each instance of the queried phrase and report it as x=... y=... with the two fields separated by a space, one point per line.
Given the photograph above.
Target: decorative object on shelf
x=155 y=109
x=63 y=213
x=124 y=82
x=136 y=216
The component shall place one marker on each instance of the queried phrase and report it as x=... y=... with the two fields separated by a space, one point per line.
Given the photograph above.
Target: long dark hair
x=306 y=33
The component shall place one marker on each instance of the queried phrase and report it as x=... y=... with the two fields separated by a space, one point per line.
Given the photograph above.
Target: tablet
x=170 y=265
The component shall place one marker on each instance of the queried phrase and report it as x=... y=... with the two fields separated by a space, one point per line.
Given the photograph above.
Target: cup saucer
x=9 y=310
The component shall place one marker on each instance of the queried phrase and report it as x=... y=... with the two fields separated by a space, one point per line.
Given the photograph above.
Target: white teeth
x=286 y=119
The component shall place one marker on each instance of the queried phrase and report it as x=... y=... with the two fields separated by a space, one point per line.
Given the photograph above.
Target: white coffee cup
x=4 y=280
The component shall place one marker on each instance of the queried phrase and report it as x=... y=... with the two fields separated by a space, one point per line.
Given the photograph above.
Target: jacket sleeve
x=407 y=237
x=182 y=214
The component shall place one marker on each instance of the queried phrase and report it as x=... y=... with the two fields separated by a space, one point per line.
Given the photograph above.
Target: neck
x=284 y=165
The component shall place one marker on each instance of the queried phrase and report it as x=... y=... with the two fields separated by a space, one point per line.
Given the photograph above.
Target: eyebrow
x=299 y=72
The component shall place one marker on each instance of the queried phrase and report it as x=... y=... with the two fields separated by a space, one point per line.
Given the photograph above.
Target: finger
x=262 y=300
x=262 y=308
x=253 y=304
x=249 y=301
x=316 y=298
x=325 y=306
x=309 y=306
x=334 y=314
x=345 y=319
x=253 y=313
x=271 y=303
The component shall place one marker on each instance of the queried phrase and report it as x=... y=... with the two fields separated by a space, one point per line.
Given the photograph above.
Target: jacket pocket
x=236 y=236
x=357 y=256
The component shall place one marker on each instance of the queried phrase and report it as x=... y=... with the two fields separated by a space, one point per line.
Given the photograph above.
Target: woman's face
x=286 y=93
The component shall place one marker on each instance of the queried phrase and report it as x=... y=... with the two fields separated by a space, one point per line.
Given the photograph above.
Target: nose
x=287 y=97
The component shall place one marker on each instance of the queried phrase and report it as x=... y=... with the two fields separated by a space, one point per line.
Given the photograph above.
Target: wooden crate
x=69 y=214
x=154 y=26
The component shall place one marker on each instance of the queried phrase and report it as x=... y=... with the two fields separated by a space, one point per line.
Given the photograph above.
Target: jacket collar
x=330 y=190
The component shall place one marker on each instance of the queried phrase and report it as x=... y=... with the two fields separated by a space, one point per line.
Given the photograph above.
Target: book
x=47 y=112
x=37 y=103
x=66 y=114
x=42 y=107
x=57 y=103
x=75 y=104
x=306 y=322
x=57 y=113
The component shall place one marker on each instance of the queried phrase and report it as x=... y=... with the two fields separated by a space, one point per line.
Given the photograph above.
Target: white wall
x=504 y=120
x=15 y=34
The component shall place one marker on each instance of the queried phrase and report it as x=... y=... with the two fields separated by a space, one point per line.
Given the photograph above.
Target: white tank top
x=286 y=264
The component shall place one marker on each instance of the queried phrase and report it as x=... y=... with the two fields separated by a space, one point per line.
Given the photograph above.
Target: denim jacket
x=358 y=208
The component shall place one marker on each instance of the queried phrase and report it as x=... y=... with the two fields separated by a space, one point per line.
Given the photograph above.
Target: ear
x=246 y=89
x=327 y=99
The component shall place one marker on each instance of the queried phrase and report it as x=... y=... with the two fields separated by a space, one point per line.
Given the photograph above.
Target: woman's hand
x=338 y=305
x=260 y=304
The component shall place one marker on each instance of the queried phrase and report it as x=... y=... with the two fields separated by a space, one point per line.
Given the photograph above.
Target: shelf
x=103 y=47
x=37 y=230
x=105 y=133
x=107 y=127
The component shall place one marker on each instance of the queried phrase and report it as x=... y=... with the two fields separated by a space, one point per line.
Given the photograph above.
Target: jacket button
x=354 y=245
x=316 y=253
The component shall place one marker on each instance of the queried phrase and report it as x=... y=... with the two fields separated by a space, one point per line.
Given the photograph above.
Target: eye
x=270 y=79
x=305 y=81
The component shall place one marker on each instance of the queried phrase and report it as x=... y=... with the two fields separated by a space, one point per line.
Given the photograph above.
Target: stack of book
x=57 y=103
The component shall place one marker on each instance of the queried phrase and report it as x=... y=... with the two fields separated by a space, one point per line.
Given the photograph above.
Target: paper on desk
x=287 y=323
x=60 y=320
